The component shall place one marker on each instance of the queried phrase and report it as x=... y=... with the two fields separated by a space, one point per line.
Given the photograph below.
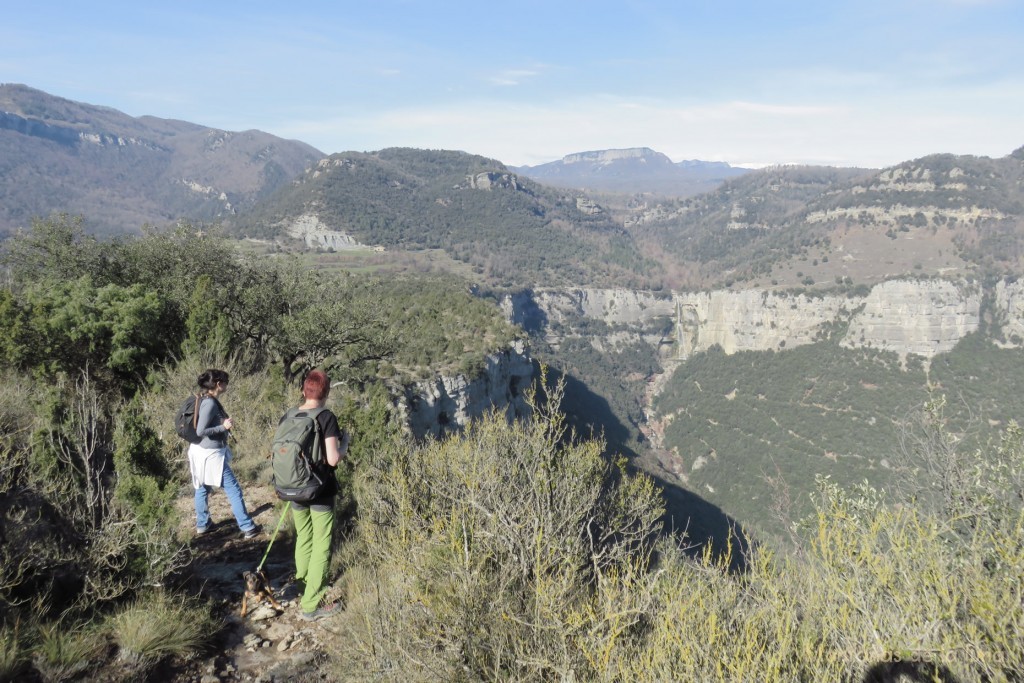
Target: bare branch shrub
x=60 y=530
x=81 y=442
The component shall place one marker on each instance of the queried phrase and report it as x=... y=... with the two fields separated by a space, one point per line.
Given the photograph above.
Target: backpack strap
x=321 y=444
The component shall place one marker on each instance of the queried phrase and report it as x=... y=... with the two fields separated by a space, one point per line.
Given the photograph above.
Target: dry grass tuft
x=158 y=625
x=13 y=655
x=62 y=653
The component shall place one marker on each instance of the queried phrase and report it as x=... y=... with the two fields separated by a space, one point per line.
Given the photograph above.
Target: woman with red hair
x=314 y=521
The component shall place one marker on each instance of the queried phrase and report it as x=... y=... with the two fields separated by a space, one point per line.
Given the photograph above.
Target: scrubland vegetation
x=100 y=342
x=512 y=552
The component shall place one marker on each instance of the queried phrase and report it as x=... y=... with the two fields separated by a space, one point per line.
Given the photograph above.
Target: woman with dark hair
x=209 y=459
x=314 y=521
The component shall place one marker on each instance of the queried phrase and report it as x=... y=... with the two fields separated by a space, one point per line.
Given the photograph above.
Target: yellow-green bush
x=507 y=553
x=64 y=651
x=13 y=653
x=483 y=552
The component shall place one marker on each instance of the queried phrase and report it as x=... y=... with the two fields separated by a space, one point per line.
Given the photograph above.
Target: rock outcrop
x=1009 y=302
x=921 y=318
x=444 y=403
x=493 y=180
x=316 y=234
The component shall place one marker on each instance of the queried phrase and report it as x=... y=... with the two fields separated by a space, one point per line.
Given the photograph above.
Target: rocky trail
x=266 y=645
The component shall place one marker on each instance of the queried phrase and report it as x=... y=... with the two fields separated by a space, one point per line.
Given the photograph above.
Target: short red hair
x=316 y=386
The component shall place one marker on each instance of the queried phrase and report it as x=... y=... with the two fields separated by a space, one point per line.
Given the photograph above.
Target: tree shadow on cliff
x=704 y=523
x=526 y=313
x=590 y=414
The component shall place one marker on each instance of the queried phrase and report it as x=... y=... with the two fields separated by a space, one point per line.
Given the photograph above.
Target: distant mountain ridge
x=942 y=215
x=784 y=226
x=632 y=170
x=508 y=228
x=121 y=172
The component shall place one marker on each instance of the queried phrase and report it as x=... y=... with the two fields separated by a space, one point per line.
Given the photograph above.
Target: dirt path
x=266 y=645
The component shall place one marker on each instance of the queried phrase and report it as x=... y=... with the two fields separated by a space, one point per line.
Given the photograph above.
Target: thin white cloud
x=510 y=77
x=864 y=133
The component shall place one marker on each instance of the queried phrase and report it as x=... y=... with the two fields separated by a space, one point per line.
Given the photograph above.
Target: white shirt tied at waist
x=207 y=465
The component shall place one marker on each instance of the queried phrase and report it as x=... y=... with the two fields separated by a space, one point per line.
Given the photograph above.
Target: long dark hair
x=211 y=378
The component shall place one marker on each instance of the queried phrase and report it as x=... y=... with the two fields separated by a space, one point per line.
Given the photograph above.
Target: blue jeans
x=234 y=494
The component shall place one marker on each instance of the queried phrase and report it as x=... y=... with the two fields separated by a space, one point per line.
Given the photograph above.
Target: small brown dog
x=257 y=587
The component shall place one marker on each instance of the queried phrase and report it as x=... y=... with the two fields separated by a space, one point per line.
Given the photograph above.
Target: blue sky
x=869 y=83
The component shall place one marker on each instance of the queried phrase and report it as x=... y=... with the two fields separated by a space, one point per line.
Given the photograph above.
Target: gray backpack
x=298 y=456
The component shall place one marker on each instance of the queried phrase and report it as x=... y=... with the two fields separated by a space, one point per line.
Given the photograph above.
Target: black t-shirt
x=329 y=425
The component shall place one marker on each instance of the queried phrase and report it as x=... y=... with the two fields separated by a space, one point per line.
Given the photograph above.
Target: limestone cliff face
x=922 y=317
x=1009 y=299
x=607 y=156
x=450 y=402
x=631 y=315
x=751 y=320
x=613 y=306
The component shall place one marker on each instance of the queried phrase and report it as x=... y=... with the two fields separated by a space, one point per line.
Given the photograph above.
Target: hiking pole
x=284 y=513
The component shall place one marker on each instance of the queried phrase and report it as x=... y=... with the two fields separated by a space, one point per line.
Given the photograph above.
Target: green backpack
x=298 y=456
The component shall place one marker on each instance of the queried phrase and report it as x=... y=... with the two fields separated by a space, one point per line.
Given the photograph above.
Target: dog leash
x=284 y=513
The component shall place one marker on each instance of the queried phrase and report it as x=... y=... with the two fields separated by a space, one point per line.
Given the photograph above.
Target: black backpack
x=186 y=418
x=298 y=458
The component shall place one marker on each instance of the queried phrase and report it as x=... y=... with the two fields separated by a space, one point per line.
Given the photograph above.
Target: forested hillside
x=511 y=230
x=120 y=172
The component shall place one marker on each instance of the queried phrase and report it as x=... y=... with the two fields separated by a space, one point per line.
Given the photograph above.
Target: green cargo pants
x=313 y=528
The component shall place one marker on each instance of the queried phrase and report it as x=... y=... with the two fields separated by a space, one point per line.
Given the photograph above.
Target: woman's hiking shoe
x=252 y=533
x=200 y=530
x=322 y=612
